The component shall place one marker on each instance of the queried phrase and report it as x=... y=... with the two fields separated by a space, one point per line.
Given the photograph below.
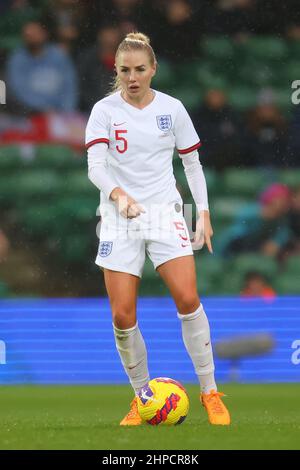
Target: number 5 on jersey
x=124 y=144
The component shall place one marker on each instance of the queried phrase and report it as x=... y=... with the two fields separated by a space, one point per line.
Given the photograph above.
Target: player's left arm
x=197 y=184
x=187 y=144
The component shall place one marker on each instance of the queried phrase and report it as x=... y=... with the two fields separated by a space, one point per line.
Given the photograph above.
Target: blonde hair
x=133 y=42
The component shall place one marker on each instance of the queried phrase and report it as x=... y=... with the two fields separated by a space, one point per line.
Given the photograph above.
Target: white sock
x=132 y=350
x=196 y=338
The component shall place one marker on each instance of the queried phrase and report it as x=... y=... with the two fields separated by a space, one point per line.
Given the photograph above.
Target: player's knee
x=123 y=317
x=188 y=303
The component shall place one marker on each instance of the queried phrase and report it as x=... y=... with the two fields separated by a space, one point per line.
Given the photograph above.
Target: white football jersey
x=141 y=143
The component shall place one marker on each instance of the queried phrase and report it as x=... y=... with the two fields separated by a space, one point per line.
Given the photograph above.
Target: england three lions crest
x=105 y=249
x=164 y=122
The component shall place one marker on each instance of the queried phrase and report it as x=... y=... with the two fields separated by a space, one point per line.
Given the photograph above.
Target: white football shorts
x=124 y=249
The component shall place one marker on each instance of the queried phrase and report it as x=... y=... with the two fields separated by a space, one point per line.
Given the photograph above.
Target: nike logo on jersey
x=119 y=124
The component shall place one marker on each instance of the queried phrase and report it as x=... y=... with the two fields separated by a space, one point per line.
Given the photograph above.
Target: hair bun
x=138 y=37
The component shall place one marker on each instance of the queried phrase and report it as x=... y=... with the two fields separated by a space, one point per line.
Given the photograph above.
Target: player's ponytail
x=133 y=42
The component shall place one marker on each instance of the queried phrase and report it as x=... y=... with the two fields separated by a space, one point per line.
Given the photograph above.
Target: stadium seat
x=164 y=77
x=242 y=97
x=287 y=284
x=190 y=97
x=4 y=290
x=218 y=48
x=290 y=177
x=257 y=74
x=75 y=248
x=185 y=73
x=213 y=181
x=206 y=286
x=54 y=156
x=37 y=183
x=10 y=43
x=7 y=191
x=20 y=188
x=294 y=48
x=149 y=273
x=208 y=265
x=9 y=158
x=231 y=283
x=225 y=208
x=219 y=226
x=81 y=209
x=210 y=270
x=208 y=77
x=293 y=266
x=57 y=218
x=283 y=97
x=152 y=284
x=244 y=182
x=77 y=183
x=39 y=220
x=290 y=71
x=254 y=262
x=266 y=48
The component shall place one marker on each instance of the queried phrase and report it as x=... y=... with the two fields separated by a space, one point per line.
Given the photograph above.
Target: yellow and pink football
x=163 y=401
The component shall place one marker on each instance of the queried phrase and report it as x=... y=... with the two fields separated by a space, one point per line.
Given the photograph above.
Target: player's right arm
x=97 y=141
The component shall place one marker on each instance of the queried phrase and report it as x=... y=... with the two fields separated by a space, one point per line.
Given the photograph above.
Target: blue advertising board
x=70 y=341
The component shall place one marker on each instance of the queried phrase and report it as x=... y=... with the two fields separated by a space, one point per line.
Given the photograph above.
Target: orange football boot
x=132 y=418
x=217 y=411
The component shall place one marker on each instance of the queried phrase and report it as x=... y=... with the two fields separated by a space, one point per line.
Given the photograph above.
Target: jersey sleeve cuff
x=202 y=207
x=189 y=149
x=97 y=141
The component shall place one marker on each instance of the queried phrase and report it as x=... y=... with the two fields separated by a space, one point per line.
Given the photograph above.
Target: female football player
x=130 y=136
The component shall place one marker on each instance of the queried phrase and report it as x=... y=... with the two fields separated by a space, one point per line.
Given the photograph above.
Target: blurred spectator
x=244 y=17
x=96 y=67
x=294 y=214
x=220 y=130
x=5 y=5
x=59 y=14
x=290 y=12
x=256 y=285
x=68 y=40
x=128 y=15
x=293 y=245
x=65 y=20
x=293 y=31
x=265 y=142
x=233 y=17
x=293 y=145
x=122 y=10
x=176 y=31
x=13 y=15
x=261 y=227
x=271 y=16
x=4 y=246
x=40 y=77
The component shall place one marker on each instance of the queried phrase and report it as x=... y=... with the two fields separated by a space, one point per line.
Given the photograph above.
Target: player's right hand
x=127 y=206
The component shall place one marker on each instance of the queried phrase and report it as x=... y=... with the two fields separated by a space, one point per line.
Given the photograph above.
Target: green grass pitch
x=87 y=417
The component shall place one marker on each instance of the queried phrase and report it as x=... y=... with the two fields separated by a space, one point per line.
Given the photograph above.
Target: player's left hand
x=203 y=233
